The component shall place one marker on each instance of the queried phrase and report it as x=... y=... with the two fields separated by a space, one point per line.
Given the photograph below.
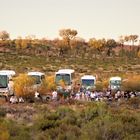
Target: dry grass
x=132 y=83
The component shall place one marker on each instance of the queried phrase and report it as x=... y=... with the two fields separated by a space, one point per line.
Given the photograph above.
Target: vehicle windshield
x=37 y=79
x=63 y=77
x=115 y=82
x=86 y=82
x=3 y=81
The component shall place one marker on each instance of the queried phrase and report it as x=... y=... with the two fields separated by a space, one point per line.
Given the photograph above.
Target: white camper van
x=88 y=81
x=38 y=76
x=115 y=83
x=65 y=75
x=6 y=83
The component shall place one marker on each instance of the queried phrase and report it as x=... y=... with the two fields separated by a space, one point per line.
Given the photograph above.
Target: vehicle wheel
x=48 y=98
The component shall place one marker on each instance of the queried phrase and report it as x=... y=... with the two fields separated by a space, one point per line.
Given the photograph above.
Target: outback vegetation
x=71 y=120
x=23 y=54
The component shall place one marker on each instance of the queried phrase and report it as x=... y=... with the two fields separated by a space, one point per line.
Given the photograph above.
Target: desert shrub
x=22 y=135
x=105 y=84
x=64 y=132
x=2 y=101
x=87 y=120
x=132 y=83
x=102 y=108
x=23 y=86
x=71 y=132
x=139 y=54
x=47 y=85
x=51 y=83
x=104 y=127
x=4 y=130
x=46 y=121
x=4 y=134
x=92 y=111
x=42 y=89
x=2 y=112
x=54 y=120
x=130 y=120
x=134 y=102
x=89 y=114
x=17 y=130
x=115 y=131
x=13 y=130
x=47 y=124
x=64 y=111
x=132 y=137
x=99 y=86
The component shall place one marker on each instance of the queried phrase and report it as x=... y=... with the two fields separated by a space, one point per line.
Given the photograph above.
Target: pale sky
x=91 y=18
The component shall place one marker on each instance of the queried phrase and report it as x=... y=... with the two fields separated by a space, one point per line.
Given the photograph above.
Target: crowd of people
x=107 y=95
x=94 y=95
x=85 y=95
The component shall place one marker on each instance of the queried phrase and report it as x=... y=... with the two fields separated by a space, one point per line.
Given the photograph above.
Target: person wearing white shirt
x=54 y=95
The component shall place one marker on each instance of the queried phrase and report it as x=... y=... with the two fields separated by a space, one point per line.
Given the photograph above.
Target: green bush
x=2 y=112
x=134 y=102
x=87 y=121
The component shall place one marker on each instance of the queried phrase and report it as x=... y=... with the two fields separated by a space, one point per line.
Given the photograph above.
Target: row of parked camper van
x=87 y=81
x=67 y=75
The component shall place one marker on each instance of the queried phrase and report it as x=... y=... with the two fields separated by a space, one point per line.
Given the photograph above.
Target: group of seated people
x=14 y=99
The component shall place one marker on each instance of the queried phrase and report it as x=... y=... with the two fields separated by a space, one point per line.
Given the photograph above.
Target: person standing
x=54 y=95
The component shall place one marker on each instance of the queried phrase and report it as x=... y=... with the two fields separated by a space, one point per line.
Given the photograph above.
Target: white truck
x=115 y=83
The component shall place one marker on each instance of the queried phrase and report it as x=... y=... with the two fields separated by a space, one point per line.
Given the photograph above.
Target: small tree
x=68 y=35
x=97 y=45
x=4 y=35
x=110 y=44
x=133 y=39
x=77 y=45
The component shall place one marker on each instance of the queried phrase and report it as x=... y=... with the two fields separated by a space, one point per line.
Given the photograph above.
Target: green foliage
x=89 y=121
x=13 y=131
x=2 y=112
x=79 y=120
x=134 y=102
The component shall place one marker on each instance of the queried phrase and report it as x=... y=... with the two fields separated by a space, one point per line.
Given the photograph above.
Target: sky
x=91 y=18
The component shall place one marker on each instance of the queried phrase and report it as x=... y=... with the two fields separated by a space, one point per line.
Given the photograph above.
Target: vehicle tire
x=48 y=98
